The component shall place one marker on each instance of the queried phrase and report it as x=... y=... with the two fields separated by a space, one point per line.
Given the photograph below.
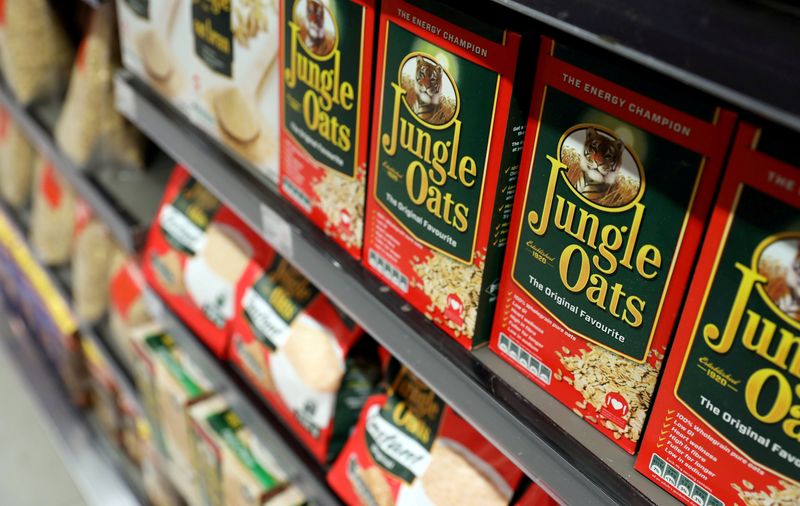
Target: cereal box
x=233 y=467
x=447 y=139
x=327 y=73
x=305 y=357
x=196 y=253
x=235 y=77
x=155 y=43
x=410 y=448
x=169 y=383
x=724 y=428
x=615 y=185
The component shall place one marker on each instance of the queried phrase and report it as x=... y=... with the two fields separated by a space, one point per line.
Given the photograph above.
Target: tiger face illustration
x=315 y=24
x=602 y=157
x=425 y=94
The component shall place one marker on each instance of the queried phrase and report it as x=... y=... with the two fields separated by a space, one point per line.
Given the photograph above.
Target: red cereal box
x=196 y=253
x=309 y=360
x=448 y=129
x=724 y=428
x=325 y=105
x=615 y=186
x=410 y=448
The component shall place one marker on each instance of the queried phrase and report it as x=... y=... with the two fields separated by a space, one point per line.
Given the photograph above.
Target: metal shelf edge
x=724 y=92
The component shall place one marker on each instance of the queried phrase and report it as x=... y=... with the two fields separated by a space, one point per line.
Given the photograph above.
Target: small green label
x=164 y=348
x=437 y=114
x=322 y=55
x=741 y=374
x=227 y=424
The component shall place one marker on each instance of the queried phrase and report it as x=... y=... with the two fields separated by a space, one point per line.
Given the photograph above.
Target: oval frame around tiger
x=777 y=258
x=437 y=112
x=627 y=179
x=327 y=38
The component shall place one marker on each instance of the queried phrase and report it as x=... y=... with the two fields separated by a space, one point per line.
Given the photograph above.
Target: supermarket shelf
x=574 y=463
x=744 y=52
x=298 y=463
x=128 y=225
x=119 y=371
x=95 y=467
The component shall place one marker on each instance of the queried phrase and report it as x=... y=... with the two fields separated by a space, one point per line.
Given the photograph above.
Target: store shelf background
x=124 y=199
x=86 y=456
x=300 y=466
x=553 y=446
x=742 y=51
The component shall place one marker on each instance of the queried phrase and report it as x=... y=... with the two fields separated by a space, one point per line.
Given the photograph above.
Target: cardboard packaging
x=233 y=467
x=326 y=102
x=724 y=427
x=169 y=383
x=156 y=44
x=410 y=448
x=311 y=362
x=447 y=132
x=235 y=78
x=615 y=186
x=196 y=253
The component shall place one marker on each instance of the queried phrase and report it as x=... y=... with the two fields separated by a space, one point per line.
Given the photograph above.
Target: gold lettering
x=722 y=343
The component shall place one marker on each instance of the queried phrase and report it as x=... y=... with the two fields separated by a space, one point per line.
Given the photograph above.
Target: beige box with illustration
x=235 y=78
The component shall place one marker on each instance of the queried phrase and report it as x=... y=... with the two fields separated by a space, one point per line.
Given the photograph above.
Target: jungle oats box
x=724 y=428
x=327 y=72
x=615 y=185
x=448 y=132
x=235 y=77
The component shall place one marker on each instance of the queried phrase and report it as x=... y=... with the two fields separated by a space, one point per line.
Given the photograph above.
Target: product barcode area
x=683 y=483
x=389 y=271
x=523 y=358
